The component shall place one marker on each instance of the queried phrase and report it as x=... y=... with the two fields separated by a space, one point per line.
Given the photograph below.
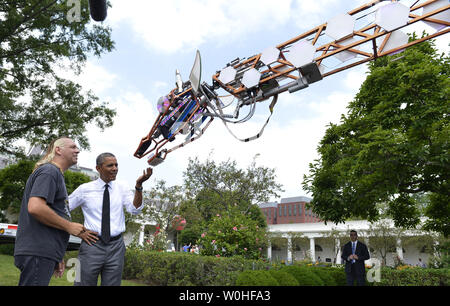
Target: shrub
x=303 y=275
x=7 y=249
x=283 y=278
x=256 y=278
x=325 y=275
x=185 y=269
x=414 y=277
x=233 y=234
x=339 y=276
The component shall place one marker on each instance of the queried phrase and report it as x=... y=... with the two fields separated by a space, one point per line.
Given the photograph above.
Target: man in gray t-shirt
x=44 y=220
x=47 y=182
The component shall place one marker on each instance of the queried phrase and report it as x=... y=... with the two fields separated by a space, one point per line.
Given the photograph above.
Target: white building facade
x=317 y=245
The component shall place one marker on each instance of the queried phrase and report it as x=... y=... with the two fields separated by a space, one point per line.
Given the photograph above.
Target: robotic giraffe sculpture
x=191 y=106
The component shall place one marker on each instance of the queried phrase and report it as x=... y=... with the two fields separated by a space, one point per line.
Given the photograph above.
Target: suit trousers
x=353 y=276
x=104 y=259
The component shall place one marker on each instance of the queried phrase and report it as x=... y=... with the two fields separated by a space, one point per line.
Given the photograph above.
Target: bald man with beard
x=45 y=222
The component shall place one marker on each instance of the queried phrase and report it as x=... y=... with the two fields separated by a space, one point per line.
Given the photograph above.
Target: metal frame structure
x=290 y=66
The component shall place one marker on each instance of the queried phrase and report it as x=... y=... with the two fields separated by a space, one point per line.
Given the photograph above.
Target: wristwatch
x=138 y=188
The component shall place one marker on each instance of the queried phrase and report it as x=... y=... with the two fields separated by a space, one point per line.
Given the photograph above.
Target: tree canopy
x=233 y=234
x=225 y=184
x=161 y=205
x=215 y=198
x=392 y=145
x=36 y=104
x=13 y=180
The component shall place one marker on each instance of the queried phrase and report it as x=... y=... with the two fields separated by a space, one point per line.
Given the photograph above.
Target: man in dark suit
x=354 y=254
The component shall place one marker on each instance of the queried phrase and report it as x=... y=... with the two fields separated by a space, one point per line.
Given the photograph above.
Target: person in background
x=354 y=254
x=421 y=263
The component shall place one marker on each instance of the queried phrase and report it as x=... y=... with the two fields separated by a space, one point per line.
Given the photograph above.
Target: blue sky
x=154 y=38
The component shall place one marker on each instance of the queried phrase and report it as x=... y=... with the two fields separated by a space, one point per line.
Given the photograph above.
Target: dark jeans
x=34 y=270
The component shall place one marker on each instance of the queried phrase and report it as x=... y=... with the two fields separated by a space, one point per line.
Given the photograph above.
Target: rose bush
x=233 y=234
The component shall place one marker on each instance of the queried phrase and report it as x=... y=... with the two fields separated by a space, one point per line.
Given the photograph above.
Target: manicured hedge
x=256 y=278
x=339 y=276
x=293 y=276
x=325 y=275
x=414 y=277
x=305 y=276
x=185 y=269
x=283 y=278
x=319 y=276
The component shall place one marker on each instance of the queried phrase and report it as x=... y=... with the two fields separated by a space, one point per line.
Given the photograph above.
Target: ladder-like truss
x=369 y=42
x=325 y=50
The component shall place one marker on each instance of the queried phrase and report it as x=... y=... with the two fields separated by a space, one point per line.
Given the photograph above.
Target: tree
x=215 y=188
x=194 y=222
x=73 y=180
x=161 y=206
x=391 y=145
x=13 y=179
x=299 y=243
x=212 y=189
x=233 y=234
x=383 y=238
x=336 y=239
x=37 y=39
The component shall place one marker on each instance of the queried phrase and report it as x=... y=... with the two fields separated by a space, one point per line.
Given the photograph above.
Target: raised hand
x=145 y=176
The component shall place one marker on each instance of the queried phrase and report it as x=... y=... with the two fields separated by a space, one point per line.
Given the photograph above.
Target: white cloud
x=158 y=85
x=175 y=25
x=135 y=116
x=309 y=14
x=92 y=77
x=355 y=77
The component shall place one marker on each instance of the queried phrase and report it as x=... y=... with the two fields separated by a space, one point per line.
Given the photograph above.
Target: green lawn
x=9 y=275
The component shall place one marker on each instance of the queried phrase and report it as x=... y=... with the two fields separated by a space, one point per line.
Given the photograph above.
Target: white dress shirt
x=90 y=197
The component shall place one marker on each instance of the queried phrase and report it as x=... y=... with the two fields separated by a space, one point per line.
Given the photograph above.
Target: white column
x=141 y=235
x=269 y=250
x=289 y=249
x=368 y=248
x=312 y=249
x=399 y=248
x=435 y=249
x=338 y=246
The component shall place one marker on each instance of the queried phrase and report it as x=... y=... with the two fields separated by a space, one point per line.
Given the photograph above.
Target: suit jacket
x=362 y=253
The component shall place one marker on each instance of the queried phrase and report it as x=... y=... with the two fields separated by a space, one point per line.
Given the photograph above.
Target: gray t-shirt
x=34 y=237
